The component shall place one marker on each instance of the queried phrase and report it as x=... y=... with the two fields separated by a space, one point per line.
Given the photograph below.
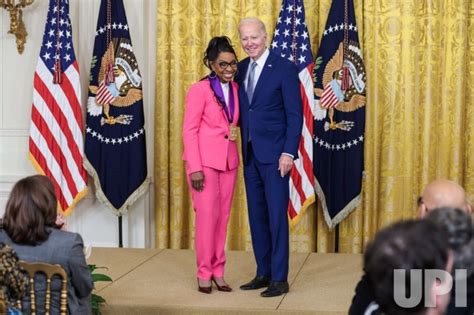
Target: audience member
x=459 y=229
x=29 y=227
x=409 y=245
x=442 y=193
x=439 y=193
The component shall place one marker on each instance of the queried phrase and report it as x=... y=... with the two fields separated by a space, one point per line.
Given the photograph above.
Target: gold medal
x=233 y=133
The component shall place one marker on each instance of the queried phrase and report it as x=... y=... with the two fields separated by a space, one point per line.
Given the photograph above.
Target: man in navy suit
x=270 y=123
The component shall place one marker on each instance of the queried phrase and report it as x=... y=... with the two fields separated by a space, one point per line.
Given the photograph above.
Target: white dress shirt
x=258 y=69
x=225 y=89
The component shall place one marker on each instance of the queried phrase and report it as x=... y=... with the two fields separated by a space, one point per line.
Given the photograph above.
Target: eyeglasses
x=224 y=64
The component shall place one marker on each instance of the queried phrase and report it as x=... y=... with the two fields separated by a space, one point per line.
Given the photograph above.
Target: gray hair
x=250 y=20
x=459 y=227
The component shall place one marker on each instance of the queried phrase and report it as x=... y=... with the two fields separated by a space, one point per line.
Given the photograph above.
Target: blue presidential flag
x=339 y=122
x=115 y=134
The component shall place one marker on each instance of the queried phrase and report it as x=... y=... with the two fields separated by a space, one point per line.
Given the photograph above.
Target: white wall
x=97 y=224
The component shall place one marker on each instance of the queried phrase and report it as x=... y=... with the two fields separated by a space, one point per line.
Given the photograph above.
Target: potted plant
x=97 y=300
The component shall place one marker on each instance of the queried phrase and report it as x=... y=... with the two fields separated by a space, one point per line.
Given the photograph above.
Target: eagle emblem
x=120 y=83
x=333 y=96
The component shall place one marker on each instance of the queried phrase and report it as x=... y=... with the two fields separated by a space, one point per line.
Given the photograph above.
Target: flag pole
x=120 y=232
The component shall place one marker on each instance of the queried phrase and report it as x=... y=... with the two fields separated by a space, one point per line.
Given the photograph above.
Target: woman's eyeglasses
x=224 y=64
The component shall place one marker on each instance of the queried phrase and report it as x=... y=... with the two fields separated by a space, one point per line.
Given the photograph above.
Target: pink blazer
x=206 y=130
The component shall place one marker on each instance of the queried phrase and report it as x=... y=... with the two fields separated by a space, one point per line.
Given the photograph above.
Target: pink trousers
x=212 y=207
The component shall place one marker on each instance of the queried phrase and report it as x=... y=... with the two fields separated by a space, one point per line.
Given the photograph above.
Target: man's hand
x=197 y=180
x=285 y=164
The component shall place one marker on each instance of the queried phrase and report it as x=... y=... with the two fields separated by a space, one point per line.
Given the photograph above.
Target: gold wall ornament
x=17 y=27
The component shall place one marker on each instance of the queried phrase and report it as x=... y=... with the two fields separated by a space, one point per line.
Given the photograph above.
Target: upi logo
x=434 y=282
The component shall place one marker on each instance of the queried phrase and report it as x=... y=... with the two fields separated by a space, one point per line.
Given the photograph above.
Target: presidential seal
x=120 y=83
x=344 y=86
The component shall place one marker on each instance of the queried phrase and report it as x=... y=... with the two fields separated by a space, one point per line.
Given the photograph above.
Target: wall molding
x=14 y=132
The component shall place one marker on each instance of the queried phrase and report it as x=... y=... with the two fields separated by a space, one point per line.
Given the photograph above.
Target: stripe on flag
x=329 y=98
x=103 y=95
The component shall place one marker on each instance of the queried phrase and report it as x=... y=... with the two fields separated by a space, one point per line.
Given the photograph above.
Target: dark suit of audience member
x=470 y=294
x=29 y=228
x=463 y=310
x=364 y=295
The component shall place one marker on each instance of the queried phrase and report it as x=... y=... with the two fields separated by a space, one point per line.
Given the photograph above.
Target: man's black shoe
x=257 y=283
x=276 y=288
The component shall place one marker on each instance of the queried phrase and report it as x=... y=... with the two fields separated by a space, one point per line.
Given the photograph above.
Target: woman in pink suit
x=210 y=152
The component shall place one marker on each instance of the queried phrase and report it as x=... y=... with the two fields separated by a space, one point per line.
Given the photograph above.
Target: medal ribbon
x=217 y=88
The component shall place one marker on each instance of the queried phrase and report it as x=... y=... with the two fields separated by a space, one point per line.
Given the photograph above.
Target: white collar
x=262 y=59
x=224 y=85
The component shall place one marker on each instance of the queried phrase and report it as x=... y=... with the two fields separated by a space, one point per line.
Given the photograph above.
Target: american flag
x=291 y=40
x=56 y=142
x=329 y=98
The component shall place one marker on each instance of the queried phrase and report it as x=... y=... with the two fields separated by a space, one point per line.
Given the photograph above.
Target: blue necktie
x=251 y=81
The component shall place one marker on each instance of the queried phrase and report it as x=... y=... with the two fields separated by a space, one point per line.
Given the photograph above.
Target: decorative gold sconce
x=17 y=27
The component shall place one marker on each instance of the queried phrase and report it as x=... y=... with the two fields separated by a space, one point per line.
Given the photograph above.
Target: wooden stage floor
x=154 y=281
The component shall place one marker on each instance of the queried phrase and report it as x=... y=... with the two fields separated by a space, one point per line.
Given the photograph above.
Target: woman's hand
x=197 y=180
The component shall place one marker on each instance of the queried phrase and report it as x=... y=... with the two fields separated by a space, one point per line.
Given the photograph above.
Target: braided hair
x=12 y=278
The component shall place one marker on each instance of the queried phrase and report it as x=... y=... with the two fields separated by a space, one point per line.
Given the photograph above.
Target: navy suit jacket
x=66 y=249
x=274 y=119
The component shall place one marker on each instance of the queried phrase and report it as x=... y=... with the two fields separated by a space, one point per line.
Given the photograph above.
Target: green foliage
x=97 y=300
x=317 y=64
x=93 y=62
